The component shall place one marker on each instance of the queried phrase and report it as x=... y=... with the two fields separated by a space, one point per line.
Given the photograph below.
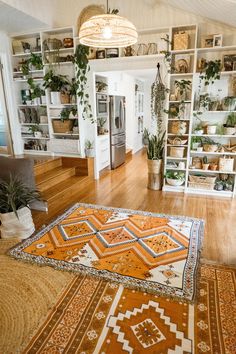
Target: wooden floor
x=126 y=187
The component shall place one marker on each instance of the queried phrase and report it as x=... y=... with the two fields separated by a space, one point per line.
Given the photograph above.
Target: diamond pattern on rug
x=154 y=252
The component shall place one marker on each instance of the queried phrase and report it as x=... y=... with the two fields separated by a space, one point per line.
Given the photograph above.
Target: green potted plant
x=230 y=125
x=35 y=130
x=73 y=89
x=155 y=149
x=183 y=89
x=211 y=72
x=196 y=142
x=15 y=215
x=35 y=62
x=146 y=135
x=101 y=86
x=229 y=103
x=35 y=91
x=89 y=149
x=205 y=163
x=56 y=84
x=175 y=178
x=101 y=125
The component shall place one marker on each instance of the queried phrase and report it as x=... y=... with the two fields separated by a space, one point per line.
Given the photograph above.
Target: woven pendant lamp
x=108 y=31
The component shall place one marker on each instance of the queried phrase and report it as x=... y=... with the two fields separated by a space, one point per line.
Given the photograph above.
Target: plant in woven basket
x=211 y=72
x=155 y=147
x=14 y=194
x=65 y=113
x=82 y=69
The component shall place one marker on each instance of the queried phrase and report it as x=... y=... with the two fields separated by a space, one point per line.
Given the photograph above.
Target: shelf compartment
x=212 y=153
x=211 y=172
x=209 y=192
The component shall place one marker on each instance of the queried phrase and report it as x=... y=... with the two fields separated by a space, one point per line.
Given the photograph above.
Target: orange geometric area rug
x=97 y=317
x=141 y=250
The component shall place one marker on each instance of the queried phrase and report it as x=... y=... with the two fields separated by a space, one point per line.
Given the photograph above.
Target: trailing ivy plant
x=211 y=72
x=82 y=69
x=167 y=53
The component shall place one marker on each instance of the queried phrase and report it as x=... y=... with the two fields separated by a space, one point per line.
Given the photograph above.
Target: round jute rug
x=27 y=293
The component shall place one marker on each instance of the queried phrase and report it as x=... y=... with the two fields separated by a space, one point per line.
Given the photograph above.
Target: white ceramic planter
x=36 y=101
x=211 y=129
x=38 y=134
x=43 y=100
x=55 y=97
x=174 y=182
x=21 y=227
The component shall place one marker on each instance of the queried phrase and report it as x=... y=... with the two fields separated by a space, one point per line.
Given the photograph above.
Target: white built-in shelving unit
x=146 y=57
x=219 y=88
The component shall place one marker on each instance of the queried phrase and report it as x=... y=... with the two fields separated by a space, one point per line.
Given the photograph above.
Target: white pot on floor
x=13 y=226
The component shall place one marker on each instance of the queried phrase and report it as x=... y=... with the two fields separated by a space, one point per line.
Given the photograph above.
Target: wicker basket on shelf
x=178 y=127
x=176 y=151
x=202 y=182
x=181 y=41
x=210 y=147
x=60 y=126
x=226 y=164
x=177 y=141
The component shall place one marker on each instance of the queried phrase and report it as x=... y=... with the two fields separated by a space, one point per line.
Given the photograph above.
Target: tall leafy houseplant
x=82 y=69
x=15 y=216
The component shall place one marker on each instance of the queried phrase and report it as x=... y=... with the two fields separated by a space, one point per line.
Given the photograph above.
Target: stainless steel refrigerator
x=117 y=130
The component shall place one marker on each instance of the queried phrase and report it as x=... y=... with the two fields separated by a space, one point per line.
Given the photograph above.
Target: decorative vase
x=211 y=129
x=154 y=174
x=13 y=226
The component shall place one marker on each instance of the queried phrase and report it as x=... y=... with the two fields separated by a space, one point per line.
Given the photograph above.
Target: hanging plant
x=158 y=96
x=82 y=69
x=167 y=53
x=211 y=72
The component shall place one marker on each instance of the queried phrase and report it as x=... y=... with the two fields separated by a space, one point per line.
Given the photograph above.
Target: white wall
x=143 y=13
x=8 y=84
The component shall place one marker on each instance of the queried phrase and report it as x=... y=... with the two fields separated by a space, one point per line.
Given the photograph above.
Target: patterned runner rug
x=93 y=316
x=152 y=252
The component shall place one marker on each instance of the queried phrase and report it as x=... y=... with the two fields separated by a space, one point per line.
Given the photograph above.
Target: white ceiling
x=13 y=20
x=218 y=10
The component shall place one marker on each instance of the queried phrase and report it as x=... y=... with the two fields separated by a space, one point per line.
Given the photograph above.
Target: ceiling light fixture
x=108 y=31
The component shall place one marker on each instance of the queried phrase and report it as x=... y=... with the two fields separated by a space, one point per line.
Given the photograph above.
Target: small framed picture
x=207 y=41
x=217 y=40
x=229 y=61
x=112 y=52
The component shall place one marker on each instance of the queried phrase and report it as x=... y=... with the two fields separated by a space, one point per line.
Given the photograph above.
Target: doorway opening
x=5 y=133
